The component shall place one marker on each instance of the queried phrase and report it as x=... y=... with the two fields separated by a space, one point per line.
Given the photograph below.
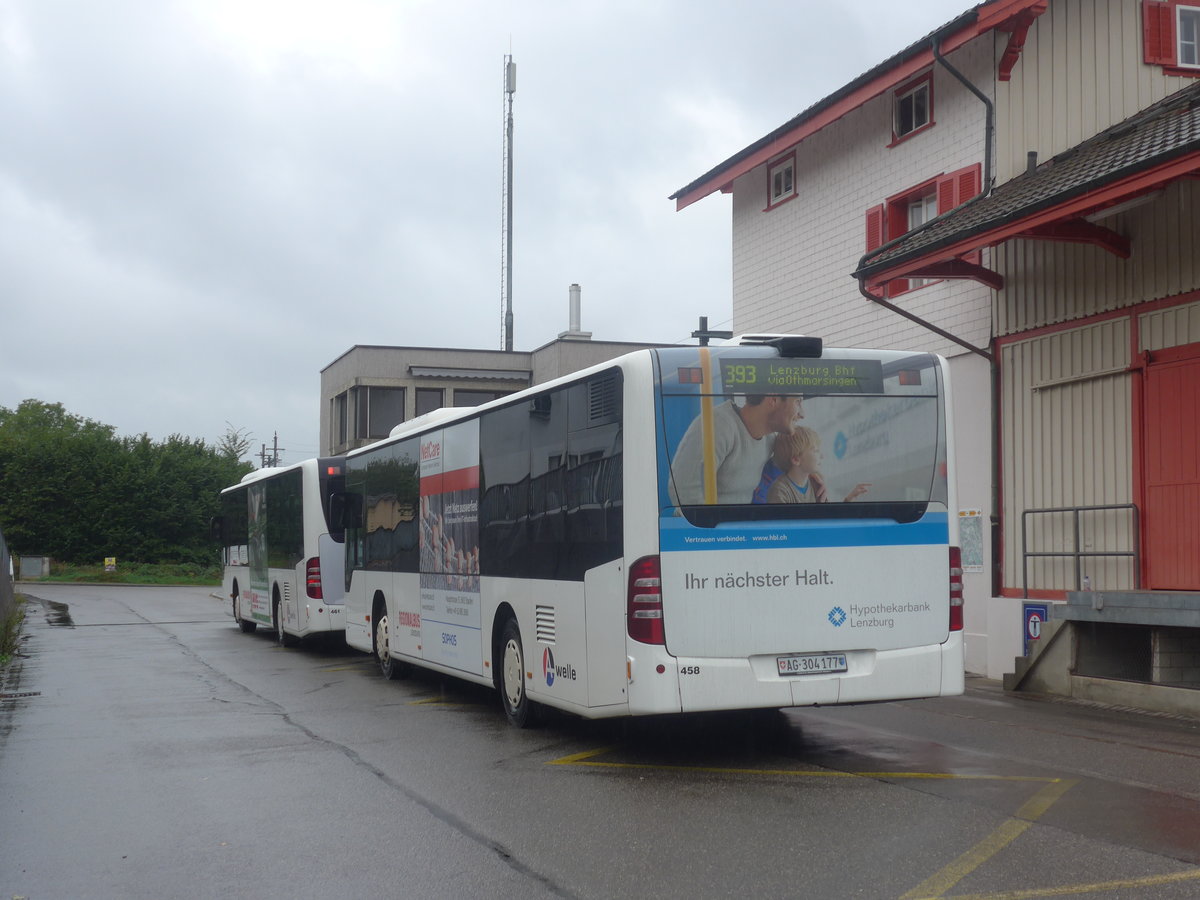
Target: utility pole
x=506 y=225
x=273 y=459
x=704 y=334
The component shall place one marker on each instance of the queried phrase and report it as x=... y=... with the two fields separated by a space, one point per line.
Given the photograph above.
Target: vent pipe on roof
x=575 y=332
x=1030 y=162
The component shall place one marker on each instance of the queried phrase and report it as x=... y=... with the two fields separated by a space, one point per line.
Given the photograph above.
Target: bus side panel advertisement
x=449 y=543
x=259 y=606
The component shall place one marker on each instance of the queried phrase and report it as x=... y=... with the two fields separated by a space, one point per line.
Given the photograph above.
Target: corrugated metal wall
x=1067 y=443
x=1172 y=327
x=1081 y=71
x=1047 y=282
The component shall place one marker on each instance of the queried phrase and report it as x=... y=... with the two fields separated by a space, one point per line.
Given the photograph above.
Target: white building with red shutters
x=1018 y=192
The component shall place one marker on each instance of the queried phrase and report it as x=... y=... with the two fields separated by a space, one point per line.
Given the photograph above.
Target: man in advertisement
x=731 y=452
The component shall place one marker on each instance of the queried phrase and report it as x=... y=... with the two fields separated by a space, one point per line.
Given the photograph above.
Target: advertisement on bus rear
x=803 y=501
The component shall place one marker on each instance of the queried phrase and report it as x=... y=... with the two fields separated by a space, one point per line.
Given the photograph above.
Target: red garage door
x=1172 y=454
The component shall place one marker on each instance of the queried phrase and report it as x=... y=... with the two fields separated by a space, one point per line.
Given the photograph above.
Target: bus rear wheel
x=248 y=627
x=520 y=710
x=282 y=637
x=383 y=649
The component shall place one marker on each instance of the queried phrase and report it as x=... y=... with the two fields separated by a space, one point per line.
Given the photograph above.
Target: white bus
x=594 y=544
x=283 y=562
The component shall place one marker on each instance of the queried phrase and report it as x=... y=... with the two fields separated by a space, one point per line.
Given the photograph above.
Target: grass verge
x=136 y=573
x=10 y=631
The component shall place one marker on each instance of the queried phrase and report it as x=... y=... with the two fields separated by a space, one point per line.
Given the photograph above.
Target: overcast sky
x=205 y=202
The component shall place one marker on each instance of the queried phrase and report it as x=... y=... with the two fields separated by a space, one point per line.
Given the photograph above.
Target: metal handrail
x=1078 y=554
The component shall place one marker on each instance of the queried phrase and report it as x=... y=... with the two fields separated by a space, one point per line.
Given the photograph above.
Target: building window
x=341 y=418
x=475 y=398
x=915 y=206
x=1189 y=28
x=375 y=411
x=385 y=410
x=781 y=180
x=912 y=107
x=429 y=399
x=1171 y=35
x=361 y=408
x=921 y=209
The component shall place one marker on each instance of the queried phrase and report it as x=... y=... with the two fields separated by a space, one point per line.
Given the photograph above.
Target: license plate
x=811 y=663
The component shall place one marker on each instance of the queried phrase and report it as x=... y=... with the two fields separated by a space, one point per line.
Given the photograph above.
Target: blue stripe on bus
x=676 y=533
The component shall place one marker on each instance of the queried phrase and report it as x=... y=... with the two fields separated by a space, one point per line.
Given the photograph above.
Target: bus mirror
x=345 y=509
x=216 y=529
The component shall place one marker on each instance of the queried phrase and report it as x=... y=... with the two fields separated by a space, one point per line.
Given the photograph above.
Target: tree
x=235 y=442
x=72 y=489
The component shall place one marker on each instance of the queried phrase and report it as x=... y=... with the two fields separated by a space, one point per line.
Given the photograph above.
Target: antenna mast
x=506 y=323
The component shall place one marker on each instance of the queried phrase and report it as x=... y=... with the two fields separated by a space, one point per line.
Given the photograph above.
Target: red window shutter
x=874 y=227
x=968 y=180
x=1158 y=33
x=955 y=188
x=947 y=193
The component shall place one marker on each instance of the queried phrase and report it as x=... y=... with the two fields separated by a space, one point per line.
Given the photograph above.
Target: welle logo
x=550 y=671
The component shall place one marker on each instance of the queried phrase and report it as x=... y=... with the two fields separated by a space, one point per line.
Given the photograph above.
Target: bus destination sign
x=802 y=376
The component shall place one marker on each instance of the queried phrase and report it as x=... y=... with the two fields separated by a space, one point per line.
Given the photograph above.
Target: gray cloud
x=202 y=204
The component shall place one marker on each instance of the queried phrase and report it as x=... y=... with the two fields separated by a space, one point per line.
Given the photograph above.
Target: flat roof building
x=370 y=389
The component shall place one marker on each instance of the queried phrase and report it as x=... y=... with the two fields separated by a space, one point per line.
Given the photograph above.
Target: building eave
x=889 y=74
x=1137 y=157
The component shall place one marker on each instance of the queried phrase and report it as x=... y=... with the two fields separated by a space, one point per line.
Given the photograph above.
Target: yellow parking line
x=578 y=758
x=1067 y=890
x=438 y=701
x=937 y=885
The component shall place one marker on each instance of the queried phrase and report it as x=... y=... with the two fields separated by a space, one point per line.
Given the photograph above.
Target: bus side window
x=504 y=476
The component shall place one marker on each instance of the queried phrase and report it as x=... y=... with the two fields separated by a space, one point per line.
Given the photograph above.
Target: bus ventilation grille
x=546 y=629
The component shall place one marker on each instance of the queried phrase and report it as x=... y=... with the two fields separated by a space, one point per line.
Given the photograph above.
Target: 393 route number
x=741 y=374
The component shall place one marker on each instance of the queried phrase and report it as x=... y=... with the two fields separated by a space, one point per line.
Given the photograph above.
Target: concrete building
x=370 y=389
x=1018 y=192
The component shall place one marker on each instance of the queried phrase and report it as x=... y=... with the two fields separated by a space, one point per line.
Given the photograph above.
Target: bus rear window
x=745 y=434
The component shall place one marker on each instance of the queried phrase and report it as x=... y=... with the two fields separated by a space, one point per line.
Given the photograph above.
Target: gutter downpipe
x=989 y=132
x=993 y=370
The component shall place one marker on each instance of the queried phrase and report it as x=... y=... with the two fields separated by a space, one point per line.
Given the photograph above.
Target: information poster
x=970 y=537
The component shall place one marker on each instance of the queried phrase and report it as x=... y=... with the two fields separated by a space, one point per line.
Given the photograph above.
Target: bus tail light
x=312 y=579
x=956 y=589
x=644 y=613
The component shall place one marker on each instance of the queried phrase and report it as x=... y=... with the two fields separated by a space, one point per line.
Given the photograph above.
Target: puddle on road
x=56 y=613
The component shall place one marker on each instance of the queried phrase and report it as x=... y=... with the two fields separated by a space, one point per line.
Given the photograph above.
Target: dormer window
x=781 y=180
x=912 y=107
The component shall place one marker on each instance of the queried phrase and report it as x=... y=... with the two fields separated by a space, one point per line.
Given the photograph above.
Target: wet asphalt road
x=148 y=749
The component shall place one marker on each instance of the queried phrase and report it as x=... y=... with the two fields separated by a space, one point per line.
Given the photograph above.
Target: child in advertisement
x=798 y=454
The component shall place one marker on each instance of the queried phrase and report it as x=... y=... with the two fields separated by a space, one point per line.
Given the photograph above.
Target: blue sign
x=1035 y=617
